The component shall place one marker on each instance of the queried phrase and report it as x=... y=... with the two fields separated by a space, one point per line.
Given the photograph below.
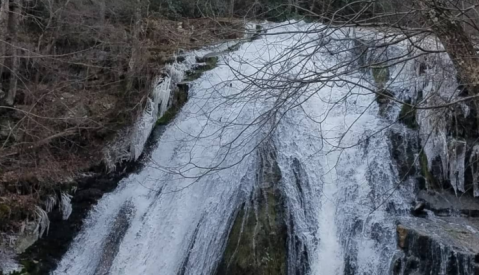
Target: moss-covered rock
x=179 y=98
x=407 y=116
x=257 y=243
x=5 y=212
x=381 y=76
x=207 y=64
x=180 y=94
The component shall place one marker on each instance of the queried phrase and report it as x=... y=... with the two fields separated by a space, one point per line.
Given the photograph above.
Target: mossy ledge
x=180 y=94
x=257 y=243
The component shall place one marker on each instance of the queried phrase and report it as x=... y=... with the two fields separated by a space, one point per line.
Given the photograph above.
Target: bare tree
x=456 y=41
x=4 y=13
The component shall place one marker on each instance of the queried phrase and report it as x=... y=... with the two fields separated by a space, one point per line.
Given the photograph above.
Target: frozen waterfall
x=337 y=174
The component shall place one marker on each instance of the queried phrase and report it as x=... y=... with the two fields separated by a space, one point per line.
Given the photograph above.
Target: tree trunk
x=455 y=40
x=4 y=12
x=13 y=26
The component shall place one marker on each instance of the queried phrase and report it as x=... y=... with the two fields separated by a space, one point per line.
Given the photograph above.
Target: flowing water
x=337 y=172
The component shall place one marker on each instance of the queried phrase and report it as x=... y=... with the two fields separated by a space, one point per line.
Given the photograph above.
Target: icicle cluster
x=430 y=81
x=436 y=85
x=130 y=143
x=66 y=205
x=42 y=222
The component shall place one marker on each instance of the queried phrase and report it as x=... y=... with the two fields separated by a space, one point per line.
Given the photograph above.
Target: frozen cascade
x=341 y=209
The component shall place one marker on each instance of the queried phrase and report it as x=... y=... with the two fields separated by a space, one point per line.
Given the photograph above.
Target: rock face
x=448 y=246
x=257 y=243
x=445 y=241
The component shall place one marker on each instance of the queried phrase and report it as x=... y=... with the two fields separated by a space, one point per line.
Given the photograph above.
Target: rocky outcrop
x=444 y=241
x=446 y=246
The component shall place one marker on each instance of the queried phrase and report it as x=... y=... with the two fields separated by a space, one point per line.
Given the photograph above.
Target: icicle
x=50 y=202
x=66 y=206
x=473 y=160
x=457 y=155
x=162 y=95
x=42 y=222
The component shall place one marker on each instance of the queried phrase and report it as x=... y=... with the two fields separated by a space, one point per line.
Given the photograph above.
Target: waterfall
x=339 y=185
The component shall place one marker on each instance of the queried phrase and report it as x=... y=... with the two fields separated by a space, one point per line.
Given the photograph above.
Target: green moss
x=5 y=211
x=29 y=268
x=381 y=76
x=167 y=117
x=181 y=95
x=209 y=64
x=407 y=116
x=257 y=241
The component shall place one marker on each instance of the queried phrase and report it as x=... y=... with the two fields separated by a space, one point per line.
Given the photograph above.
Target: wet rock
x=208 y=58
x=407 y=116
x=88 y=195
x=438 y=246
x=208 y=63
x=418 y=209
x=257 y=243
x=175 y=59
x=383 y=98
x=403 y=148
